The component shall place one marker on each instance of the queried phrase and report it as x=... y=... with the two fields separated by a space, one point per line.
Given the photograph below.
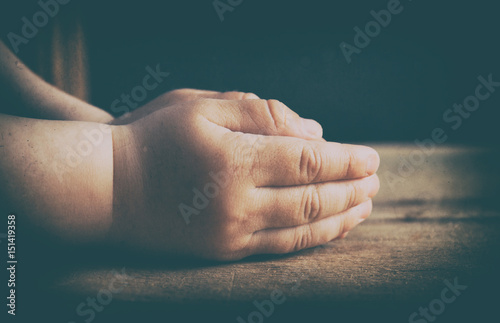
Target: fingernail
x=250 y=96
x=372 y=164
x=312 y=128
x=365 y=211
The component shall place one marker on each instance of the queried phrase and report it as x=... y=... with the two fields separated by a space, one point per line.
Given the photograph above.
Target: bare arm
x=34 y=97
x=270 y=183
x=216 y=179
x=54 y=176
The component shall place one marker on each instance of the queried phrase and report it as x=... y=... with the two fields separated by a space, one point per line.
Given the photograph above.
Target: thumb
x=264 y=117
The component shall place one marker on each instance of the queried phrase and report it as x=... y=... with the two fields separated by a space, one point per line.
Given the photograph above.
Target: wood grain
x=439 y=223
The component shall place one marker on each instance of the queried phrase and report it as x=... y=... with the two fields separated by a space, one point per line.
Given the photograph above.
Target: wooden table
x=435 y=219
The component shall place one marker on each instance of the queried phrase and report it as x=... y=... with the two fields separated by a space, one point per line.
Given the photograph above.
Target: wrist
x=127 y=183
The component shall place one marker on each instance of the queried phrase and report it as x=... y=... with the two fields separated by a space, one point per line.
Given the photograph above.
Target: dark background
x=397 y=89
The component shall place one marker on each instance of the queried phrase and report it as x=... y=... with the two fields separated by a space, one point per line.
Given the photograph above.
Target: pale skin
x=284 y=189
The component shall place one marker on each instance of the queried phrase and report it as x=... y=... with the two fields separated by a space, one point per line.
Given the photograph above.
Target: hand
x=224 y=179
x=178 y=96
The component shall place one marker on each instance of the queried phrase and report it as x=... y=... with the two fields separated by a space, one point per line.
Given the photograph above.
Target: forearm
x=58 y=175
x=33 y=97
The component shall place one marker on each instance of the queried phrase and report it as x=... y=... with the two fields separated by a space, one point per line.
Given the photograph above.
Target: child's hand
x=225 y=179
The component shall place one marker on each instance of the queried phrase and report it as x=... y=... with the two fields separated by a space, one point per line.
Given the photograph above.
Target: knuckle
x=311 y=204
x=204 y=106
x=232 y=95
x=245 y=158
x=304 y=238
x=352 y=193
x=178 y=94
x=277 y=114
x=177 y=91
x=191 y=113
x=310 y=164
x=236 y=95
x=249 y=96
x=348 y=162
x=198 y=104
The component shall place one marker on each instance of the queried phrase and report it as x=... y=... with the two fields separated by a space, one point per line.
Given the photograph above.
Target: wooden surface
x=440 y=221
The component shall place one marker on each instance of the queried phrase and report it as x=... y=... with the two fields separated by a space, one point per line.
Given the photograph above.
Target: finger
x=277 y=241
x=183 y=95
x=265 y=117
x=297 y=205
x=283 y=161
x=168 y=99
x=235 y=95
x=342 y=236
x=179 y=96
